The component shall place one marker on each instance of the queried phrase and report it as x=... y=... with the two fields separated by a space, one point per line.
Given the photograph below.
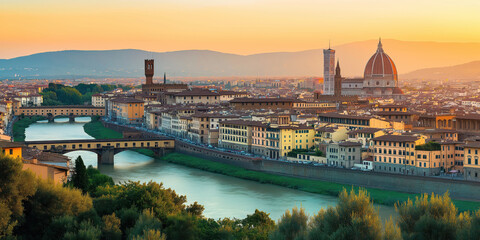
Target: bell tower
x=338 y=81
x=149 y=71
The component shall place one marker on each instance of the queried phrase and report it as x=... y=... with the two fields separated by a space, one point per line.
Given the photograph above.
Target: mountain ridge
x=408 y=56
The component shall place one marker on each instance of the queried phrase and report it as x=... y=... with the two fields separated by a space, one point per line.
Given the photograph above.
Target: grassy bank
x=388 y=198
x=19 y=127
x=96 y=129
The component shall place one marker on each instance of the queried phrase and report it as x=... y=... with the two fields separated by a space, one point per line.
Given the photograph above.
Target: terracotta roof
x=380 y=64
x=396 y=138
x=127 y=100
x=6 y=144
x=244 y=122
x=337 y=115
x=259 y=100
x=366 y=130
x=472 y=145
x=350 y=144
x=197 y=92
x=393 y=113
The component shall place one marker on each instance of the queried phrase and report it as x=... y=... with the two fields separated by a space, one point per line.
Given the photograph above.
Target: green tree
x=181 y=227
x=163 y=202
x=59 y=226
x=215 y=230
x=354 y=217
x=257 y=225
x=469 y=226
x=195 y=209
x=291 y=226
x=146 y=222
x=128 y=217
x=150 y=235
x=16 y=186
x=96 y=179
x=79 y=176
x=86 y=231
x=49 y=201
x=111 y=227
x=429 y=217
x=392 y=231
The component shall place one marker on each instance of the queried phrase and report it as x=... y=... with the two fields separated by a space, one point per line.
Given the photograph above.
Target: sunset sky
x=234 y=26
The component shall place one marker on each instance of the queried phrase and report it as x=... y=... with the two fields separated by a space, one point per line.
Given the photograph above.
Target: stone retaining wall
x=458 y=189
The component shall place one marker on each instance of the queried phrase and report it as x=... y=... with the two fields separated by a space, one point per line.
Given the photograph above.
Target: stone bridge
x=104 y=148
x=51 y=112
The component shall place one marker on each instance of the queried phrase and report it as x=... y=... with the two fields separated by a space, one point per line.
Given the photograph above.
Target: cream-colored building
x=236 y=134
x=396 y=153
x=203 y=123
x=331 y=134
x=276 y=141
x=98 y=100
x=364 y=136
x=471 y=165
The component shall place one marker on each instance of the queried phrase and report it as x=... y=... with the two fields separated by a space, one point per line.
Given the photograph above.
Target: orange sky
x=235 y=26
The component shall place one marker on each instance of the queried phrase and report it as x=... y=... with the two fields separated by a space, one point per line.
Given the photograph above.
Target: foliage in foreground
x=35 y=209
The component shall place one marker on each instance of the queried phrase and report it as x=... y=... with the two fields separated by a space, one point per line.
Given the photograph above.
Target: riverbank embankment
x=383 y=188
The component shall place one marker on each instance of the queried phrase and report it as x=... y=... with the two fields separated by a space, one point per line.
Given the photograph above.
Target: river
x=222 y=196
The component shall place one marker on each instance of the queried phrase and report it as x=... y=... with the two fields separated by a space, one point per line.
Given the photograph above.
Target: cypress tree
x=79 y=177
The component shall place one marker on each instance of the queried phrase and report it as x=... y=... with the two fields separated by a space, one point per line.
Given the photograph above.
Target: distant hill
x=462 y=72
x=408 y=56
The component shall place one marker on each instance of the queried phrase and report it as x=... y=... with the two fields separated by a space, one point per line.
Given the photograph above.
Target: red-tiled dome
x=380 y=65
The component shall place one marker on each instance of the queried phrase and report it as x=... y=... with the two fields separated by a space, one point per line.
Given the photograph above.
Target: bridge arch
x=105 y=149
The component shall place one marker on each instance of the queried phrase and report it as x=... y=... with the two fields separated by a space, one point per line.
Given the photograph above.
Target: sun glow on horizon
x=241 y=27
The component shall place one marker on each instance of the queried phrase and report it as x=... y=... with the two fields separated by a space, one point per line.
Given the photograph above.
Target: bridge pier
x=71 y=118
x=50 y=118
x=106 y=155
x=160 y=152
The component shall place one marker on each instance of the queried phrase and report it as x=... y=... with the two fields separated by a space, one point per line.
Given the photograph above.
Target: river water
x=222 y=196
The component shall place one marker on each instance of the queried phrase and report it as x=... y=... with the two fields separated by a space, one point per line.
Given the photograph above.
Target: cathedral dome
x=380 y=65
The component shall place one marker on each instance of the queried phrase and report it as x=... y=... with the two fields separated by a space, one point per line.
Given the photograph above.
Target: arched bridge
x=104 y=148
x=70 y=111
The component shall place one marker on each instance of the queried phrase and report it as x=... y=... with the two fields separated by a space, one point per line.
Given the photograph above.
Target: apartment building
x=126 y=110
x=276 y=141
x=396 y=153
x=471 y=167
x=98 y=100
x=152 y=119
x=364 y=136
x=204 y=123
x=331 y=134
x=344 y=154
x=237 y=134
x=29 y=100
